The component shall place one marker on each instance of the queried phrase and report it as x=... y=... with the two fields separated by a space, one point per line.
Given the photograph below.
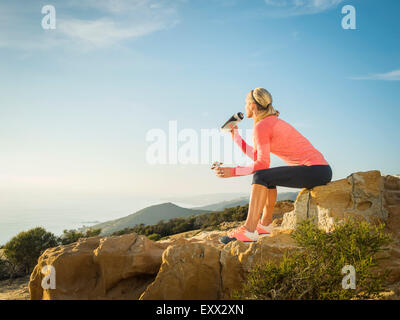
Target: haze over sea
x=59 y=211
x=55 y=214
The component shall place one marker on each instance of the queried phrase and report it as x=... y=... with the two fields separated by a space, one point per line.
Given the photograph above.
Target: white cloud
x=119 y=20
x=285 y=8
x=388 y=76
x=104 y=32
x=125 y=7
x=86 y=24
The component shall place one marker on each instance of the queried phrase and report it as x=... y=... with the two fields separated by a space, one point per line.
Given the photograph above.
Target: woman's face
x=249 y=106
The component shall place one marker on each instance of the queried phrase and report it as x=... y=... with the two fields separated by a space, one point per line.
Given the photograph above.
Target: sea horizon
x=56 y=216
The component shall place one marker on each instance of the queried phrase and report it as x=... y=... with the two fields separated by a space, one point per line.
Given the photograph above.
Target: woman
x=306 y=168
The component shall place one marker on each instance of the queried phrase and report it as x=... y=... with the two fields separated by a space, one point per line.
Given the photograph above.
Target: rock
x=209 y=270
x=281 y=208
x=360 y=196
x=392 y=203
x=188 y=271
x=237 y=258
x=99 y=268
x=194 y=265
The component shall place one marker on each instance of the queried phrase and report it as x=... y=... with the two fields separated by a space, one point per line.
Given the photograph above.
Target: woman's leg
x=287 y=176
x=294 y=176
x=269 y=207
x=258 y=198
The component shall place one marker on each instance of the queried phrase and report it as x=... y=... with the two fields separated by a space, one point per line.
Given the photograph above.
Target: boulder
x=194 y=265
x=360 y=196
x=209 y=270
x=99 y=268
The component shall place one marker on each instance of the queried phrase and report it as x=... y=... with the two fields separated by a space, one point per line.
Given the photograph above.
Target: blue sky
x=76 y=102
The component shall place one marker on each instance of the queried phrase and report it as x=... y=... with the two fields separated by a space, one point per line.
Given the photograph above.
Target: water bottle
x=232 y=122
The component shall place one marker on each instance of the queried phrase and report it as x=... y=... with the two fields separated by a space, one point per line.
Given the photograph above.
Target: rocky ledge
x=197 y=266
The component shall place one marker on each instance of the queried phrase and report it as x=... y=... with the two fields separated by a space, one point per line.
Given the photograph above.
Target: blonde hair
x=263 y=101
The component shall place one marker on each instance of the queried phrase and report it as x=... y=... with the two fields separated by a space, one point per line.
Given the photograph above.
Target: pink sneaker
x=263 y=230
x=240 y=233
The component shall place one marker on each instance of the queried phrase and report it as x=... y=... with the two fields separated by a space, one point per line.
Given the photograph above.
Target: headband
x=261 y=106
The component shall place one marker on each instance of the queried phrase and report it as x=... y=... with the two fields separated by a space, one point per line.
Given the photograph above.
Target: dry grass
x=17 y=289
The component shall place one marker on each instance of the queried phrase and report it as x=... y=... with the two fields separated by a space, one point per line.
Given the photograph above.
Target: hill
x=166 y=211
x=287 y=196
x=148 y=216
x=243 y=201
x=204 y=199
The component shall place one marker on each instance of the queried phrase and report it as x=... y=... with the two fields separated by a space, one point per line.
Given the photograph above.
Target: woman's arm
x=247 y=150
x=262 y=155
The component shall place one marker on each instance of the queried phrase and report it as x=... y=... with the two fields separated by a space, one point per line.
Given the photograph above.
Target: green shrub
x=10 y=270
x=154 y=237
x=25 y=248
x=314 y=270
x=70 y=236
x=204 y=221
x=92 y=233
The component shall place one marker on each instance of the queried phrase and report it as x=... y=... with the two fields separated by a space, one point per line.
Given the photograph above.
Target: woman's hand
x=223 y=172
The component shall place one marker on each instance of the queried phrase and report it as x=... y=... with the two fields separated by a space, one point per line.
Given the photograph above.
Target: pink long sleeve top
x=275 y=135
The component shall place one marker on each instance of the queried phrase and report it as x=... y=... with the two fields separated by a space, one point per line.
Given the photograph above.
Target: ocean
x=56 y=215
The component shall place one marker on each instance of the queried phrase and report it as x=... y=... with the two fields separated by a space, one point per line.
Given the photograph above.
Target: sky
x=77 y=101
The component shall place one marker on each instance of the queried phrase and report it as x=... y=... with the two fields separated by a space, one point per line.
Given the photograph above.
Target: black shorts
x=293 y=176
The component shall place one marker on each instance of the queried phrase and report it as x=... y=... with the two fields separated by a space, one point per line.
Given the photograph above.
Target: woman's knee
x=257 y=178
x=327 y=177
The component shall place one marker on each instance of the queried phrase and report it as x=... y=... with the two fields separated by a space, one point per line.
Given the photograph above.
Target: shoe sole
x=233 y=239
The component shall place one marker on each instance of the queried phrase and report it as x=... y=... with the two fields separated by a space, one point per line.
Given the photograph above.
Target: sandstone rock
x=392 y=203
x=358 y=196
x=188 y=271
x=99 y=268
x=362 y=195
x=194 y=265
x=237 y=258
x=209 y=270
